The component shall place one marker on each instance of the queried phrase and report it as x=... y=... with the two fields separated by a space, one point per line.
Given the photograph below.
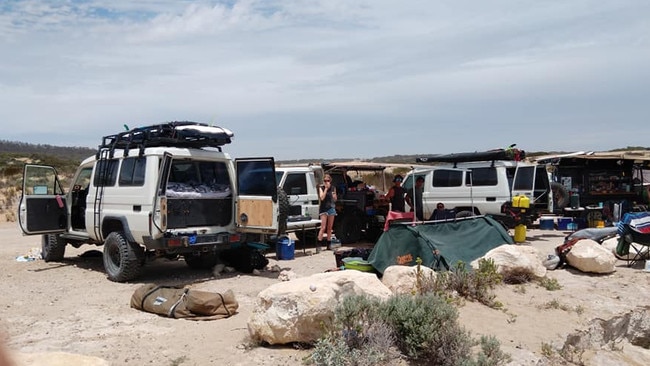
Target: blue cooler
x=285 y=248
x=546 y=223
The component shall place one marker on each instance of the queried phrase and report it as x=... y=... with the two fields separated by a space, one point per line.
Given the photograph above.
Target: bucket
x=520 y=233
x=546 y=223
x=563 y=223
x=600 y=224
x=285 y=248
x=647 y=266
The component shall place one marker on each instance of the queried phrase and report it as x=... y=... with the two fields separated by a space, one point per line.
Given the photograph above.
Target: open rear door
x=42 y=208
x=257 y=198
x=159 y=214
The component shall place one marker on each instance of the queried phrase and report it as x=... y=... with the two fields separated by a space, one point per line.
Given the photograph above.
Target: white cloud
x=423 y=76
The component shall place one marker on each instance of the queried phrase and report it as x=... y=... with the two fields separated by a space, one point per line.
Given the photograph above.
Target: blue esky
x=332 y=78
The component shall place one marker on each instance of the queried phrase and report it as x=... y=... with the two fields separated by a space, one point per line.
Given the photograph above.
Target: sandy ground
x=71 y=307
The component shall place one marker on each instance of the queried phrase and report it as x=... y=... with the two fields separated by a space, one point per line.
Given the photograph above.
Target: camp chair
x=634 y=232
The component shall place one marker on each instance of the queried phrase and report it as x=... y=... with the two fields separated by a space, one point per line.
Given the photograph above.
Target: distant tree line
x=62 y=152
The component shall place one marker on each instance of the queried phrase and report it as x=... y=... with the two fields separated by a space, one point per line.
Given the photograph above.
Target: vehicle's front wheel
x=122 y=260
x=52 y=247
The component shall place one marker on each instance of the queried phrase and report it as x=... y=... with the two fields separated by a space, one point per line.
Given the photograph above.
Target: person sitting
x=441 y=213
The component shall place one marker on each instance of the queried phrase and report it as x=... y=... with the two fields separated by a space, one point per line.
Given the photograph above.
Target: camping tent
x=460 y=240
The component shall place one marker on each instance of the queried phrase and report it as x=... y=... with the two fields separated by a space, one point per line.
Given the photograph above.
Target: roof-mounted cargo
x=173 y=134
x=511 y=153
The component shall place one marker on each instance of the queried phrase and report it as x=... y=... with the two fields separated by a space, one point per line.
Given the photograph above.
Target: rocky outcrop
x=298 y=310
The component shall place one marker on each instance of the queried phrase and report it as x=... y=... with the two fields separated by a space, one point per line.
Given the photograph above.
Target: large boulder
x=403 y=279
x=295 y=311
x=588 y=256
x=509 y=257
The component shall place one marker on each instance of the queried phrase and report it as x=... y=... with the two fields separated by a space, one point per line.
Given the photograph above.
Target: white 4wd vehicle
x=158 y=191
x=483 y=187
x=300 y=184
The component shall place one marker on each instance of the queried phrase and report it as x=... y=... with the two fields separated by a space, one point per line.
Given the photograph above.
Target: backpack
x=177 y=302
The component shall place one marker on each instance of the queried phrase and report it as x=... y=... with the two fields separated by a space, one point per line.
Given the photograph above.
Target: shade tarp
x=462 y=240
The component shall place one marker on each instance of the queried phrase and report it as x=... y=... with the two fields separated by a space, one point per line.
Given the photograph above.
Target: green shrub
x=357 y=337
x=426 y=328
x=473 y=285
x=551 y=284
x=421 y=328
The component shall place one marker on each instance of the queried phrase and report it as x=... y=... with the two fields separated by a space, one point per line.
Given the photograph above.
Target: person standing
x=396 y=195
x=414 y=198
x=326 y=210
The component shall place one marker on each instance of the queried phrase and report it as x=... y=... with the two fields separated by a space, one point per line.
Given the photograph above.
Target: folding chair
x=634 y=232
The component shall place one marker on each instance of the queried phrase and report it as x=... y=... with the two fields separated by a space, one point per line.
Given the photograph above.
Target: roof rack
x=510 y=153
x=173 y=134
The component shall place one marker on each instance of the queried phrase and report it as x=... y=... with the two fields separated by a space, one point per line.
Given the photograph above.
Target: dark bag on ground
x=176 y=302
x=244 y=258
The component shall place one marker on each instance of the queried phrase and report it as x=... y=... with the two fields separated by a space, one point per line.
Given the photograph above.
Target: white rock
x=290 y=311
x=403 y=279
x=589 y=256
x=508 y=257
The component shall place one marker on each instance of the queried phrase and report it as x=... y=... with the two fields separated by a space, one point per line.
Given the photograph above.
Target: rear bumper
x=191 y=242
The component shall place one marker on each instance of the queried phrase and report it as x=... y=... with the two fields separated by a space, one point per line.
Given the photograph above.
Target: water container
x=285 y=248
x=520 y=233
x=521 y=201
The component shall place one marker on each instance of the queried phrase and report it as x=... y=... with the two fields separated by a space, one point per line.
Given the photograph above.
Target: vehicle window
x=132 y=171
x=408 y=183
x=278 y=176
x=483 y=177
x=105 y=173
x=83 y=179
x=524 y=178
x=447 y=178
x=210 y=176
x=41 y=180
x=256 y=178
x=295 y=184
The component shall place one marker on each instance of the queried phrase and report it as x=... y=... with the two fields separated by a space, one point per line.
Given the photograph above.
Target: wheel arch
x=117 y=223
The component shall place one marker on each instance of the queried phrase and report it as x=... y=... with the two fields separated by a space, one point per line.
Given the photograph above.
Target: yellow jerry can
x=521 y=201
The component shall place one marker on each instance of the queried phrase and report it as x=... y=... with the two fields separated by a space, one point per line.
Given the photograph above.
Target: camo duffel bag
x=183 y=302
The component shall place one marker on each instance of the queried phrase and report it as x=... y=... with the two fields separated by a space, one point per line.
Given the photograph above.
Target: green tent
x=461 y=240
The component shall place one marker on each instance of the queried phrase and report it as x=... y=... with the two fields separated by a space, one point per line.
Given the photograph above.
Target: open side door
x=524 y=182
x=159 y=215
x=43 y=208
x=257 y=195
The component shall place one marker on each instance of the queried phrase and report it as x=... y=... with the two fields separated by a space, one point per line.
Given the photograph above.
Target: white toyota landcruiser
x=164 y=190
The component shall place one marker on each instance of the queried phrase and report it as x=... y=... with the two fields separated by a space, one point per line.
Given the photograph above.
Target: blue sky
x=332 y=78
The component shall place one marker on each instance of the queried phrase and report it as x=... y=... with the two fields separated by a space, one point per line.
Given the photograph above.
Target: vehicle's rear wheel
x=52 y=247
x=349 y=229
x=201 y=261
x=122 y=260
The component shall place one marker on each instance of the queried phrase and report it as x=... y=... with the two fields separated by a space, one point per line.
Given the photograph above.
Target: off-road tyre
x=202 y=261
x=348 y=229
x=122 y=260
x=283 y=208
x=560 y=195
x=52 y=247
